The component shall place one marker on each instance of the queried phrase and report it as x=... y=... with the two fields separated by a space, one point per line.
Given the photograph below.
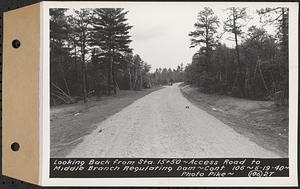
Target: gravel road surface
x=164 y=124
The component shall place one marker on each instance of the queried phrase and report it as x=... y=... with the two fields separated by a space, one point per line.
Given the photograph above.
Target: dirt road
x=165 y=124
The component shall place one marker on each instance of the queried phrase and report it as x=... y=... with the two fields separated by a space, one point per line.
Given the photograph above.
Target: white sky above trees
x=160 y=33
x=160 y=30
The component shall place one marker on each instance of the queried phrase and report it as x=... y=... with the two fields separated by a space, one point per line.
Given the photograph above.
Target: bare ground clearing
x=260 y=121
x=70 y=123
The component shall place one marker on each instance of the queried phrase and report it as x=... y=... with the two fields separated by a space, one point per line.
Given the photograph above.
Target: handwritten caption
x=153 y=167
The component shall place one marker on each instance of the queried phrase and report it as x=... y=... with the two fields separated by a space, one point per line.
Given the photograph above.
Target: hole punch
x=15 y=146
x=16 y=43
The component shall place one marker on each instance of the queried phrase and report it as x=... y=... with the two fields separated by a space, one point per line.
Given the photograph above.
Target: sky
x=160 y=30
x=160 y=33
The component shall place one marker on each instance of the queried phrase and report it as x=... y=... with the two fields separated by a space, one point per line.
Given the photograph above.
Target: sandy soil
x=165 y=124
x=70 y=123
x=261 y=121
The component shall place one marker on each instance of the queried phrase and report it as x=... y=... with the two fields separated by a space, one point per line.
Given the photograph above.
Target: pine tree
x=81 y=29
x=236 y=19
x=111 y=34
x=59 y=53
x=205 y=33
x=279 y=16
x=58 y=27
x=137 y=64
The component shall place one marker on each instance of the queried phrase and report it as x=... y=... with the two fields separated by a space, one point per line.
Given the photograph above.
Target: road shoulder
x=69 y=124
x=260 y=121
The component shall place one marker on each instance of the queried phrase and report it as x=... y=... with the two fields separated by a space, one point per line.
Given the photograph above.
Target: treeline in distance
x=90 y=55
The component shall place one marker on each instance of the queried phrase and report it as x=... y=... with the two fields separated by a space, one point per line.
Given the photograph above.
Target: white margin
x=186 y=182
x=41 y=95
x=45 y=127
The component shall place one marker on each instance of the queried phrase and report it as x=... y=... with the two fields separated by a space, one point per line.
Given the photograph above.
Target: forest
x=90 y=55
x=255 y=68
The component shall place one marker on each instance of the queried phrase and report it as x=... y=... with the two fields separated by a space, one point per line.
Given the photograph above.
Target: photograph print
x=169 y=81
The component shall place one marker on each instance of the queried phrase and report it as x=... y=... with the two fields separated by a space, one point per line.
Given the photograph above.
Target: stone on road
x=164 y=124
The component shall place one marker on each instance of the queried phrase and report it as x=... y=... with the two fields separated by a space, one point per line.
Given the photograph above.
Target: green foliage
x=111 y=35
x=235 y=20
x=111 y=31
x=165 y=76
x=206 y=29
x=90 y=54
x=256 y=68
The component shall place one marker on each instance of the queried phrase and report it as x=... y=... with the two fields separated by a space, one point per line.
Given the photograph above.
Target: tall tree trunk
x=130 y=79
x=109 y=74
x=83 y=68
x=262 y=76
x=135 y=78
x=207 y=53
x=113 y=73
x=246 y=85
x=67 y=87
x=75 y=64
x=239 y=70
x=108 y=79
x=285 y=51
x=64 y=75
x=284 y=26
x=114 y=81
x=141 y=79
x=86 y=79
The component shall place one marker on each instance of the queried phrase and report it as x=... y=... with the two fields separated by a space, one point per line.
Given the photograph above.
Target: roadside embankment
x=261 y=121
x=70 y=123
